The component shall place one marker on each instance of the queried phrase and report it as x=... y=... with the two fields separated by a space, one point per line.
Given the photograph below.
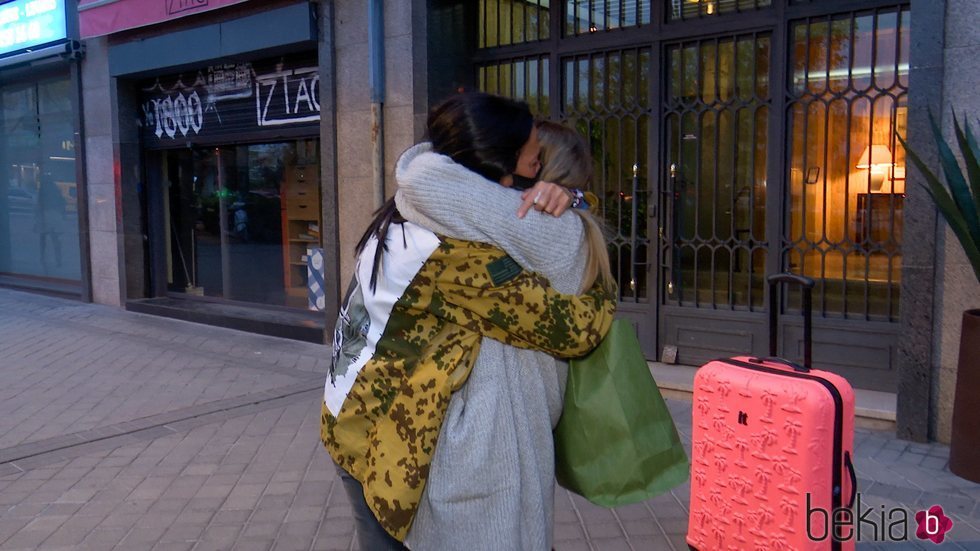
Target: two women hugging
x=448 y=370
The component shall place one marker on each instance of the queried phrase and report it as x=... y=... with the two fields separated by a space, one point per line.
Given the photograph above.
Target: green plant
x=960 y=203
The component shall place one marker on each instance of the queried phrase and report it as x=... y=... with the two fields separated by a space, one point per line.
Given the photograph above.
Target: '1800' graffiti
x=229 y=99
x=170 y=115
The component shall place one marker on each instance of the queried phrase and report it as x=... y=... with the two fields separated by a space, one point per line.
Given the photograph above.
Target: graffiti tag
x=219 y=101
x=295 y=91
x=173 y=114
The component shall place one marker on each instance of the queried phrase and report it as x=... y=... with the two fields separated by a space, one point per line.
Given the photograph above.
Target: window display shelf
x=300 y=199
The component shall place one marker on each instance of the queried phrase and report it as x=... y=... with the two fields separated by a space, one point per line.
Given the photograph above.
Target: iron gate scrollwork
x=846 y=99
x=716 y=113
x=605 y=97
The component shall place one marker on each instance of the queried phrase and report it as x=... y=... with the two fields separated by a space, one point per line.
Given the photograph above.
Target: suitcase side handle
x=807 y=284
x=854 y=481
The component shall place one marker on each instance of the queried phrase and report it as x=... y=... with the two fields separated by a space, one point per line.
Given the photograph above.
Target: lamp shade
x=875 y=155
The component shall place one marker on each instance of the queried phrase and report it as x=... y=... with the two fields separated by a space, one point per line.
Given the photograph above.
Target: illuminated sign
x=25 y=24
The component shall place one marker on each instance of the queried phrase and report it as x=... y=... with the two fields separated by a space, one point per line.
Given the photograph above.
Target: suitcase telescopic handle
x=807 y=284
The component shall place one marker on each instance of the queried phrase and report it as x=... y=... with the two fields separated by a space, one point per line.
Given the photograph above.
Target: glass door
x=605 y=95
x=713 y=237
x=847 y=100
x=239 y=221
x=39 y=235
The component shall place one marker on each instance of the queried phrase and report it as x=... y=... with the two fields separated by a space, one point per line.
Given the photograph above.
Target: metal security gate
x=606 y=97
x=761 y=132
x=846 y=88
x=714 y=241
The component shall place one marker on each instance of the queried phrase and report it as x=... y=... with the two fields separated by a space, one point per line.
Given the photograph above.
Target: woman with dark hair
x=419 y=312
x=492 y=476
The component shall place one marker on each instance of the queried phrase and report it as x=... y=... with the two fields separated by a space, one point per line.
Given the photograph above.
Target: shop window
x=38 y=194
x=241 y=221
x=591 y=16
x=505 y=22
x=694 y=9
x=848 y=99
x=525 y=79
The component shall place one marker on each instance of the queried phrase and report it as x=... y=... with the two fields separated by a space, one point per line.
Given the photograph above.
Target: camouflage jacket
x=402 y=349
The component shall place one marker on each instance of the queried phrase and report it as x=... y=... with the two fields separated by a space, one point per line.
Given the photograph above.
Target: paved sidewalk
x=127 y=431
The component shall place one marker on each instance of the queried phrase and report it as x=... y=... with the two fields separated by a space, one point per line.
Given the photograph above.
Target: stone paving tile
x=640 y=543
x=672 y=526
x=569 y=531
x=573 y=546
x=602 y=530
x=104 y=365
x=226 y=464
x=144 y=514
x=611 y=544
x=636 y=528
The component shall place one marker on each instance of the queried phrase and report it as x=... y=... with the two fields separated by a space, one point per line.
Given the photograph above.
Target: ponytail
x=384 y=217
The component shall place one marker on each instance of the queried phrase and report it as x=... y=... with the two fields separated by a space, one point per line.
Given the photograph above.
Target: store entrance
x=240 y=221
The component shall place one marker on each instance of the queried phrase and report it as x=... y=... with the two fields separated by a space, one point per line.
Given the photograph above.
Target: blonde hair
x=565 y=160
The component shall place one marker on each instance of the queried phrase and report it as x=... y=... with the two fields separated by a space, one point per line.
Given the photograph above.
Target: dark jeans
x=370 y=535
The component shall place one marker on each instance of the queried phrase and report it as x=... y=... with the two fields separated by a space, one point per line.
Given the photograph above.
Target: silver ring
x=536 y=197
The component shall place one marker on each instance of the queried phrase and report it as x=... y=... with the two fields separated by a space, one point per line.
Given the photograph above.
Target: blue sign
x=25 y=24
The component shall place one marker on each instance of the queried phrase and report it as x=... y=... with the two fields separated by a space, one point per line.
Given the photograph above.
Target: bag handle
x=807 y=285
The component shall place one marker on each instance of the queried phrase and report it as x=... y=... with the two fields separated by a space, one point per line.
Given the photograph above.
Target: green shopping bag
x=616 y=443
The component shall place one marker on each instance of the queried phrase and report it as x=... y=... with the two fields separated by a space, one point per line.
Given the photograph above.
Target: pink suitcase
x=772 y=444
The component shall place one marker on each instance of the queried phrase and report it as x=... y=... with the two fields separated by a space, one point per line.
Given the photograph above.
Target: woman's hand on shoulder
x=545 y=197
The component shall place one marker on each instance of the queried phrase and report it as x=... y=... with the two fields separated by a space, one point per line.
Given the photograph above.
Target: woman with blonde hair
x=492 y=478
x=565 y=160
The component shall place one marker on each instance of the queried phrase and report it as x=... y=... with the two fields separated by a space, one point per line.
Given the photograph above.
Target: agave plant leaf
x=972 y=141
x=968 y=145
x=962 y=198
x=947 y=206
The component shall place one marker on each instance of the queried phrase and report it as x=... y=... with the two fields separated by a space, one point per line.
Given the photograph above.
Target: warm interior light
x=876 y=159
x=708 y=5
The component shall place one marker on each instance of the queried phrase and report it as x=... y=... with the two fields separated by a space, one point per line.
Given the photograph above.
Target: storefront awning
x=101 y=17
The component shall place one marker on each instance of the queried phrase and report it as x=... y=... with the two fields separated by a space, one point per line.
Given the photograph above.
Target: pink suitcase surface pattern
x=761 y=442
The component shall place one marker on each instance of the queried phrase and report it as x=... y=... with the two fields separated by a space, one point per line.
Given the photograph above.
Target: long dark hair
x=482 y=132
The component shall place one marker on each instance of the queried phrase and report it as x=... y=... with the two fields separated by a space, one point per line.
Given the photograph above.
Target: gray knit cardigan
x=492 y=480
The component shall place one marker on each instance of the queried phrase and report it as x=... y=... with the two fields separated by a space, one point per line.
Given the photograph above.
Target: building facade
x=733 y=140
x=738 y=138
x=234 y=150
